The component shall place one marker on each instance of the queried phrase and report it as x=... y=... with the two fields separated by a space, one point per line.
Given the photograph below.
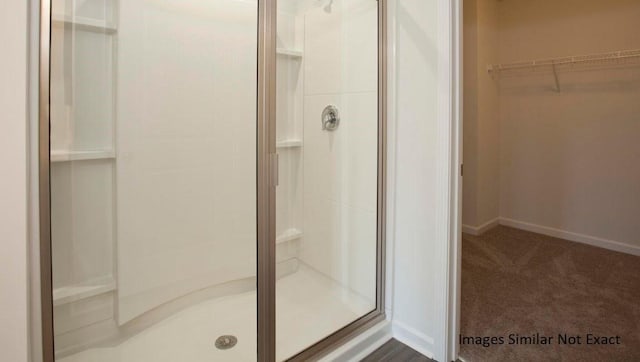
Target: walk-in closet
x=551 y=174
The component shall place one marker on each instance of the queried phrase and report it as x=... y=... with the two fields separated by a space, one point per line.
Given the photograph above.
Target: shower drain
x=226 y=342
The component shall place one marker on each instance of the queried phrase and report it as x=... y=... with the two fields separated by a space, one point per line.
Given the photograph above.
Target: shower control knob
x=330 y=118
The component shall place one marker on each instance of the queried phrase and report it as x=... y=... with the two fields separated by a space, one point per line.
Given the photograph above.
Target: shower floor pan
x=310 y=306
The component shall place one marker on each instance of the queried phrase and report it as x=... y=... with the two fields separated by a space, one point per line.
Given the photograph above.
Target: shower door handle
x=275 y=165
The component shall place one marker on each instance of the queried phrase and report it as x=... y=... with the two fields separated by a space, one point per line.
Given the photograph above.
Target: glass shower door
x=159 y=184
x=153 y=179
x=327 y=145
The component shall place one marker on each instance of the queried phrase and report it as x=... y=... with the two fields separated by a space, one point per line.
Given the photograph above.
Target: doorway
x=549 y=248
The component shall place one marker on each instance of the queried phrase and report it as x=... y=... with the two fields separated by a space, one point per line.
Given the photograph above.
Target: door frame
x=454 y=85
x=266 y=177
x=267 y=174
x=44 y=207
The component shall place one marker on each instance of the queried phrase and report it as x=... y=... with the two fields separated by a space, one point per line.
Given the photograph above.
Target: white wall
x=488 y=125
x=481 y=121
x=340 y=167
x=470 y=39
x=186 y=148
x=561 y=157
x=13 y=183
x=423 y=172
x=569 y=159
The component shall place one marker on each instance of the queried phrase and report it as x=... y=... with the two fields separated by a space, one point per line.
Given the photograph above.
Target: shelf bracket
x=555 y=76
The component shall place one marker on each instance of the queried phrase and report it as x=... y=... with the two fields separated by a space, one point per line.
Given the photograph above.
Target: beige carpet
x=515 y=281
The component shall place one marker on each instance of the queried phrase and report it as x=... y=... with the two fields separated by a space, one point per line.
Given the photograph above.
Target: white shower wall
x=186 y=135
x=340 y=167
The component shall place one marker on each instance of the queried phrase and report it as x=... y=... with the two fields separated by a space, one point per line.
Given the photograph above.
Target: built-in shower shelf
x=293 y=53
x=62 y=156
x=288 y=235
x=292 y=143
x=65 y=295
x=84 y=23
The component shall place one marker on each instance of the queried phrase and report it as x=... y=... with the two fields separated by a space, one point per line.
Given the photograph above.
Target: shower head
x=328 y=8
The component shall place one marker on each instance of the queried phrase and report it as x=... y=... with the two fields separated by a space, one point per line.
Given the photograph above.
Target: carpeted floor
x=515 y=281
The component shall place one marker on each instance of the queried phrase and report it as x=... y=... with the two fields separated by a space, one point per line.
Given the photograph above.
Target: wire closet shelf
x=617 y=58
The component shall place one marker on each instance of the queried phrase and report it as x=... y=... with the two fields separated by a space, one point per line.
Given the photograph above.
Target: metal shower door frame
x=266 y=180
x=266 y=189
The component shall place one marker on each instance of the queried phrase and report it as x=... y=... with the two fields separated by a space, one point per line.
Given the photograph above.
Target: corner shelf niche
x=72 y=293
x=83 y=23
x=292 y=53
x=289 y=132
x=289 y=235
x=290 y=143
x=64 y=155
x=82 y=105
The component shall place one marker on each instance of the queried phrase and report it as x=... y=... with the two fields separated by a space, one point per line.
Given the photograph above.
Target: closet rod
x=594 y=59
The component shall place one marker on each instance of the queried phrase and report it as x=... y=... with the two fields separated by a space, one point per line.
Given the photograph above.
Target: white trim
x=449 y=180
x=479 y=230
x=618 y=246
x=571 y=236
x=455 y=247
x=414 y=339
x=363 y=345
x=468 y=229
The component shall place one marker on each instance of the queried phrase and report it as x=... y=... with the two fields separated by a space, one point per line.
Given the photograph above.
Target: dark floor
x=515 y=281
x=394 y=351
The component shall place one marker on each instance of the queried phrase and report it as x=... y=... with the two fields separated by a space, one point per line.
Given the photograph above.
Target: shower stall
x=212 y=177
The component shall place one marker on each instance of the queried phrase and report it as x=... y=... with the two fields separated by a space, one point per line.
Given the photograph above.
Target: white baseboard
x=413 y=338
x=571 y=236
x=366 y=343
x=363 y=345
x=479 y=230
